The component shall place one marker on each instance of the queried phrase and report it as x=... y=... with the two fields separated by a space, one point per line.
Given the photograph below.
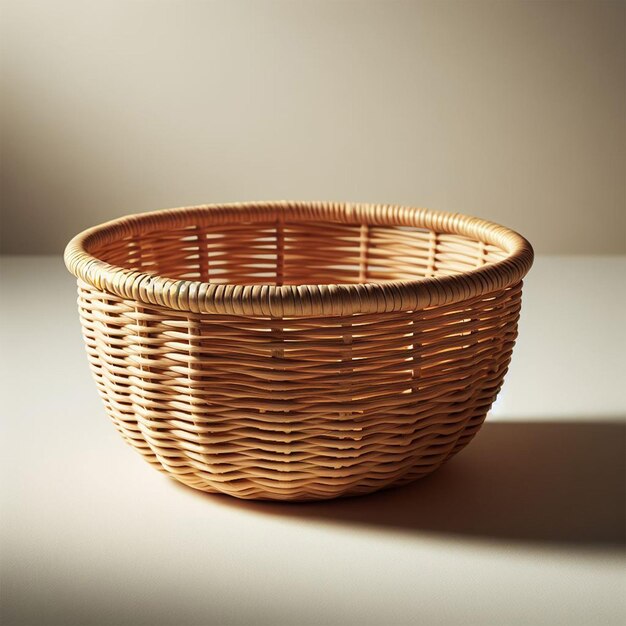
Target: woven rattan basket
x=294 y=350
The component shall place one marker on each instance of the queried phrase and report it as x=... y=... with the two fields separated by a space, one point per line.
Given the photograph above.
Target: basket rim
x=305 y=299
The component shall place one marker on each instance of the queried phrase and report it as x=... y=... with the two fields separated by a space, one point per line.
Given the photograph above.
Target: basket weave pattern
x=298 y=350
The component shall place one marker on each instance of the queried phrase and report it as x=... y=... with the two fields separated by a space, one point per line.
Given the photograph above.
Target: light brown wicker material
x=295 y=350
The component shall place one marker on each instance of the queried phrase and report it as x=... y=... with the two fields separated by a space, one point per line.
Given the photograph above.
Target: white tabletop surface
x=525 y=526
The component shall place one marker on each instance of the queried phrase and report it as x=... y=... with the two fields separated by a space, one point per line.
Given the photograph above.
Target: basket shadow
x=555 y=482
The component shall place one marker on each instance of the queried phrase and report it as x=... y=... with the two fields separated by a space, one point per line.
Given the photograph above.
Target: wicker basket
x=297 y=351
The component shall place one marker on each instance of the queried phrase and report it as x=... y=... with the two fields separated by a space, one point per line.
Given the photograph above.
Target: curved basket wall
x=298 y=350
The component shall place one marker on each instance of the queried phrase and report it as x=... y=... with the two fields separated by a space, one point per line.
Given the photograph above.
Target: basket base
x=284 y=492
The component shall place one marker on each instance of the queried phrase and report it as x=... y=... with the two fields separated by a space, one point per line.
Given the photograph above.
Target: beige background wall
x=510 y=110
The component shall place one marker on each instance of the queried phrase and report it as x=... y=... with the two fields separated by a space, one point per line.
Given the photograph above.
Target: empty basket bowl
x=296 y=350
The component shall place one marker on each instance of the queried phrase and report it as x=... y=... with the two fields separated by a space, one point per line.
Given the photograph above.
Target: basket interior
x=295 y=252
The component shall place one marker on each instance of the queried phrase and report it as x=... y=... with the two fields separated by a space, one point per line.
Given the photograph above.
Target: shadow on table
x=560 y=482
